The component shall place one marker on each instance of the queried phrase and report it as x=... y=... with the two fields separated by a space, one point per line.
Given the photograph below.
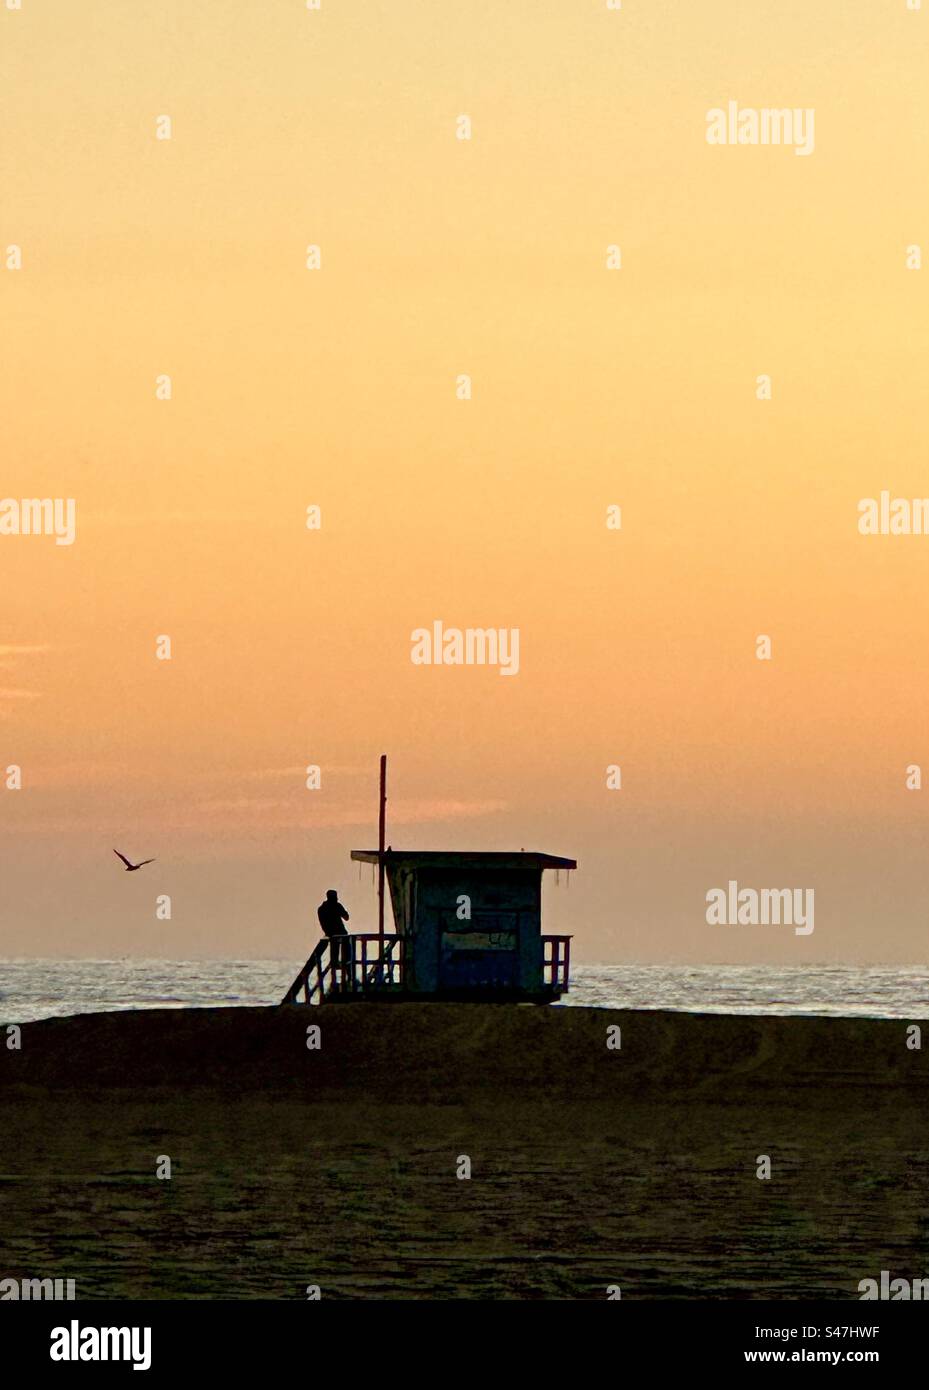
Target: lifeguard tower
x=467 y=926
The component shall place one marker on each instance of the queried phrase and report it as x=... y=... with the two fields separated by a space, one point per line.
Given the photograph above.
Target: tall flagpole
x=381 y=835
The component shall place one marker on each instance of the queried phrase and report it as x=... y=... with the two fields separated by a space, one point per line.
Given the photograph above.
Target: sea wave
x=45 y=988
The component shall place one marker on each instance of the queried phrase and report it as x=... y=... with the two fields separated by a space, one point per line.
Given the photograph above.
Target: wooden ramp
x=360 y=966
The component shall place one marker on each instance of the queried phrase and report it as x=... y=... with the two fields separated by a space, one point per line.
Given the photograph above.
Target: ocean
x=34 y=989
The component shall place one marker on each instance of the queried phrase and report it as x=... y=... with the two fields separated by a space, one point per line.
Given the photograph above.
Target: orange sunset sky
x=337 y=387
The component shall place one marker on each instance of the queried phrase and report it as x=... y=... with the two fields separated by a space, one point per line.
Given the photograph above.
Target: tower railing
x=364 y=965
x=556 y=962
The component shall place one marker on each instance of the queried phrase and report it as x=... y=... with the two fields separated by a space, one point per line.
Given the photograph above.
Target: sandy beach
x=337 y=1166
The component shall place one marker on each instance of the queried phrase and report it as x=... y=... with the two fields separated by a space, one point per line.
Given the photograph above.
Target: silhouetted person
x=332 y=917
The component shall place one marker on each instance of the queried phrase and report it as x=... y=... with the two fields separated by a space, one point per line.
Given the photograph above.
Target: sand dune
x=457 y=1051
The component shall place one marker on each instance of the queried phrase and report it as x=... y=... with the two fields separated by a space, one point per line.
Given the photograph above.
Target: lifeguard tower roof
x=456 y=859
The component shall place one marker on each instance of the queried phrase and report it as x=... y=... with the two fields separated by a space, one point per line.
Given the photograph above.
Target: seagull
x=131 y=868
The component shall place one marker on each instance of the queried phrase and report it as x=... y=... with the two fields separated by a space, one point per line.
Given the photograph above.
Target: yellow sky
x=337 y=387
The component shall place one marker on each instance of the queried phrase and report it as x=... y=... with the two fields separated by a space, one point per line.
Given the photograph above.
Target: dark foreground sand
x=337 y=1167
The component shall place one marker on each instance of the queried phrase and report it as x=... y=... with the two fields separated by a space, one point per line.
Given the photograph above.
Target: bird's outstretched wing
x=144 y=861
x=123 y=858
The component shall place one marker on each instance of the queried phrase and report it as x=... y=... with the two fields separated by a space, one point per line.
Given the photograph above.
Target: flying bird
x=131 y=868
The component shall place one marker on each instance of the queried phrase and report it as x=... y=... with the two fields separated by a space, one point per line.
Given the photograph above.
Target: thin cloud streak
x=400 y=812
